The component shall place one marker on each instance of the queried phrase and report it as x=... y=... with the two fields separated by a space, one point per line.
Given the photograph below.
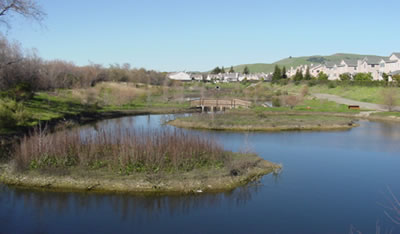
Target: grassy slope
x=47 y=106
x=358 y=93
x=296 y=61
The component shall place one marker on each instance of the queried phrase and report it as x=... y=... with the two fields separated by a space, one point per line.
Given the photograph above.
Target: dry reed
x=128 y=150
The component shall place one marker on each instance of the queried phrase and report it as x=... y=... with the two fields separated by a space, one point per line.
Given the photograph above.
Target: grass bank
x=372 y=94
x=129 y=161
x=249 y=168
x=259 y=120
x=105 y=100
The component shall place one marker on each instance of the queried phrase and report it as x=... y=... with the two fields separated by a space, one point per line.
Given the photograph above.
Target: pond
x=331 y=181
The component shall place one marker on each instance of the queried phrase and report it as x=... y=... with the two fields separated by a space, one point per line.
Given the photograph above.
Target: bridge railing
x=231 y=103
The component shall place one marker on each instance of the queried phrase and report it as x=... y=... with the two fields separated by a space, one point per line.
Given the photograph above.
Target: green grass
x=313 y=105
x=386 y=114
x=46 y=106
x=262 y=120
x=357 y=93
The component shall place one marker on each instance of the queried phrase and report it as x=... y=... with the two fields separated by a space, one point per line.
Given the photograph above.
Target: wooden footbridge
x=219 y=104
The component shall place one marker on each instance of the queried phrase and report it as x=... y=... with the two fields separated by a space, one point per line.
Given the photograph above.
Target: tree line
x=18 y=66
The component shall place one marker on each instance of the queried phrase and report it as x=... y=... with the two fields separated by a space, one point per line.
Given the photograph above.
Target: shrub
x=363 y=77
x=127 y=150
x=304 y=91
x=345 y=77
x=331 y=85
x=312 y=83
x=322 y=76
x=292 y=101
x=7 y=119
x=389 y=97
x=12 y=113
x=276 y=102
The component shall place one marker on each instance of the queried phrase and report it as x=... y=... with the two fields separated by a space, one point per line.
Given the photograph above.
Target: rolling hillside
x=296 y=61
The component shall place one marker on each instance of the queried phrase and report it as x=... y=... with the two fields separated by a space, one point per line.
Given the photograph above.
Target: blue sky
x=172 y=35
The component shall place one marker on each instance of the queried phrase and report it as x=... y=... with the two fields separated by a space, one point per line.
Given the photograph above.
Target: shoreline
x=89 y=117
x=197 y=181
x=336 y=127
x=267 y=122
x=305 y=127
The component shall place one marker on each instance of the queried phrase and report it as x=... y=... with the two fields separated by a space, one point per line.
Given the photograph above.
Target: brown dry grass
x=126 y=150
x=109 y=93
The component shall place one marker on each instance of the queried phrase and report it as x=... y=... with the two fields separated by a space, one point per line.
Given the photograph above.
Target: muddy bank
x=245 y=169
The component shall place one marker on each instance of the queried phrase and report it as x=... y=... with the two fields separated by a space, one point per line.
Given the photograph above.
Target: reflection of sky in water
x=330 y=180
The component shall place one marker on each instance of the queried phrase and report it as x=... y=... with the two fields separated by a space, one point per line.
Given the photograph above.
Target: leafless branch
x=26 y=8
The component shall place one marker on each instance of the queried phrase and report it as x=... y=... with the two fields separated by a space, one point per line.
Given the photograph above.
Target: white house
x=231 y=77
x=215 y=77
x=181 y=76
x=370 y=65
x=348 y=66
x=196 y=77
x=252 y=77
x=331 y=69
x=316 y=69
x=390 y=65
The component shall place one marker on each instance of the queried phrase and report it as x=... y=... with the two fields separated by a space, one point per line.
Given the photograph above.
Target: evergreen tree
x=231 y=70
x=216 y=70
x=308 y=75
x=246 y=70
x=284 y=76
x=277 y=74
x=298 y=76
x=222 y=70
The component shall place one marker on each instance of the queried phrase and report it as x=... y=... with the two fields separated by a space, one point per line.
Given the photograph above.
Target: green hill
x=296 y=61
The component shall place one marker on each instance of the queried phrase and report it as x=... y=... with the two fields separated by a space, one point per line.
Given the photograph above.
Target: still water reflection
x=330 y=181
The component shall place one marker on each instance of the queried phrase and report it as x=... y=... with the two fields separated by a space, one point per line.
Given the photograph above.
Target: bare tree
x=389 y=98
x=26 y=8
x=292 y=100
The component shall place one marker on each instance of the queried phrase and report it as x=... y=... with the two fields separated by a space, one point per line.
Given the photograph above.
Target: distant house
x=181 y=76
x=331 y=69
x=215 y=77
x=196 y=77
x=390 y=66
x=316 y=69
x=250 y=77
x=231 y=77
x=370 y=65
x=348 y=66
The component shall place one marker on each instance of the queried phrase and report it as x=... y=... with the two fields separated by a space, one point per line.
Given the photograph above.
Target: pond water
x=331 y=181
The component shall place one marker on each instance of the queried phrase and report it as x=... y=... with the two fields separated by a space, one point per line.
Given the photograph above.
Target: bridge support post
x=202 y=109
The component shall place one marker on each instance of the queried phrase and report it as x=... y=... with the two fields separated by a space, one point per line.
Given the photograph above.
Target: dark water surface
x=330 y=182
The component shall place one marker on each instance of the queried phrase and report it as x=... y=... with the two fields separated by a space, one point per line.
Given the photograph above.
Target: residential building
x=181 y=76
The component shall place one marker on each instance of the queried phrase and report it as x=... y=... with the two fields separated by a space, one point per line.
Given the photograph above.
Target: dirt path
x=364 y=105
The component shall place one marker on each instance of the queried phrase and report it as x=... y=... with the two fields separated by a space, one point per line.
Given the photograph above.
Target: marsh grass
x=260 y=118
x=123 y=150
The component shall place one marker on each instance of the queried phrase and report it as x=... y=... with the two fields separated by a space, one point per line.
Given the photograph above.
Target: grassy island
x=157 y=161
x=256 y=120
